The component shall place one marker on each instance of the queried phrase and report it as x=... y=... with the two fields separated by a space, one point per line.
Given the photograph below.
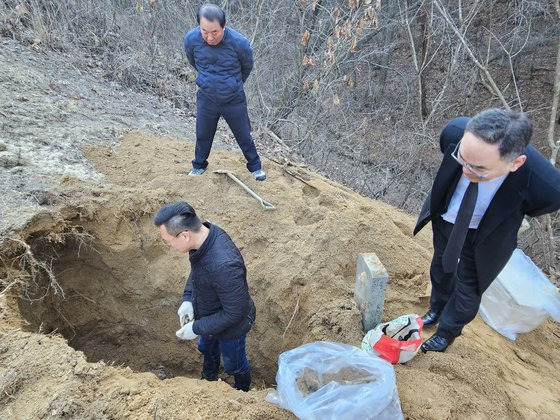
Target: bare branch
x=482 y=68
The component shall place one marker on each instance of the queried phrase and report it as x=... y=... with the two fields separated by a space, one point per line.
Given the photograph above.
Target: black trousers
x=456 y=295
x=236 y=115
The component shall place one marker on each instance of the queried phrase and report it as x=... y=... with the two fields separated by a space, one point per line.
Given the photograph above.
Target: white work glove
x=186 y=332
x=185 y=312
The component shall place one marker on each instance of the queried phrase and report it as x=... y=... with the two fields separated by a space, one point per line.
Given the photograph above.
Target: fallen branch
x=298 y=177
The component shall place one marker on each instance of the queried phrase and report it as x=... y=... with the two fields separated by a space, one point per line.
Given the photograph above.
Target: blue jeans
x=236 y=115
x=234 y=357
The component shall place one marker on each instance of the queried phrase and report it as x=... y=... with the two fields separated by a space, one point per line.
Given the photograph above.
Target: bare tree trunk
x=555 y=145
x=425 y=34
x=388 y=43
x=417 y=64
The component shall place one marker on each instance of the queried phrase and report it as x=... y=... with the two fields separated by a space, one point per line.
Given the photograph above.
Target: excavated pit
x=114 y=286
x=114 y=299
x=111 y=287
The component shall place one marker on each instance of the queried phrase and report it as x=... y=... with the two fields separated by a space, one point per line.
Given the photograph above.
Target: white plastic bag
x=325 y=380
x=396 y=341
x=520 y=298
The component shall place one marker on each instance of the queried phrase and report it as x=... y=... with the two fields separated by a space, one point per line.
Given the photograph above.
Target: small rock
x=234 y=405
x=161 y=372
x=8 y=160
x=3 y=147
x=42 y=197
x=523 y=355
x=346 y=305
x=81 y=368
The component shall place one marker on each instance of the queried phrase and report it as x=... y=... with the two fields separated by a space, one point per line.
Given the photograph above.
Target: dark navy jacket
x=223 y=68
x=534 y=190
x=217 y=288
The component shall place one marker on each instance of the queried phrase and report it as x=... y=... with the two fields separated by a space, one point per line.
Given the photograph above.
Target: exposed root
x=28 y=263
x=23 y=269
x=292 y=318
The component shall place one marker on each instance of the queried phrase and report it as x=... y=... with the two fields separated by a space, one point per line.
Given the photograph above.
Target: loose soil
x=88 y=313
x=310 y=380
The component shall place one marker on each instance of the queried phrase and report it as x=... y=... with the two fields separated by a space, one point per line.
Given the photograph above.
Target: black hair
x=177 y=217
x=511 y=130
x=212 y=13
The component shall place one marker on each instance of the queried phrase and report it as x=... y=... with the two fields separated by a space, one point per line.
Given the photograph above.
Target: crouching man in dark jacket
x=216 y=303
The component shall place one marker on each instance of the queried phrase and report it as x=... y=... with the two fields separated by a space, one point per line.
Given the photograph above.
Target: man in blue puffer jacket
x=216 y=301
x=223 y=59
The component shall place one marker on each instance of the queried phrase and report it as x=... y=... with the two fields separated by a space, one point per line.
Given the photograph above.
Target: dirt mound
x=53 y=104
x=115 y=288
x=41 y=377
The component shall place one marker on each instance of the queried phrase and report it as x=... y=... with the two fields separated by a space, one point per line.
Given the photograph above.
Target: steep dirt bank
x=51 y=106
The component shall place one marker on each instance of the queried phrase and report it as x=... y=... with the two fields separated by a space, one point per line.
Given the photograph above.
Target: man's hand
x=185 y=312
x=186 y=332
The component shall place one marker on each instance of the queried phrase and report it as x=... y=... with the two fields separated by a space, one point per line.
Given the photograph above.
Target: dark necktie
x=460 y=228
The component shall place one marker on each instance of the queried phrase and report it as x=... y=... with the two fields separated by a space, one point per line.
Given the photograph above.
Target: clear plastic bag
x=326 y=380
x=520 y=298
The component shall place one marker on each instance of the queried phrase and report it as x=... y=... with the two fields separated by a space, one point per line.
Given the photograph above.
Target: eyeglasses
x=460 y=161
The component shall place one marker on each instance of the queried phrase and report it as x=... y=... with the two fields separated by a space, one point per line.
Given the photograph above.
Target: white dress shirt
x=486 y=192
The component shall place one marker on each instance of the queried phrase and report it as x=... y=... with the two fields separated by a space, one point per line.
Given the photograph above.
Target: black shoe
x=431 y=317
x=243 y=381
x=436 y=343
x=209 y=378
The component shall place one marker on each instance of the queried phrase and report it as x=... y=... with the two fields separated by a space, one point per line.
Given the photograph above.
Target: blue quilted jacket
x=223 y=68
x=217 y=288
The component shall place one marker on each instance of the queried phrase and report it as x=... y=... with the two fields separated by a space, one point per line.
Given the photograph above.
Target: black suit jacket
x=534 y=190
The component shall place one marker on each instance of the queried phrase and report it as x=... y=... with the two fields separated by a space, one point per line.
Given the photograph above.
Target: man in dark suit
x=489 y=179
